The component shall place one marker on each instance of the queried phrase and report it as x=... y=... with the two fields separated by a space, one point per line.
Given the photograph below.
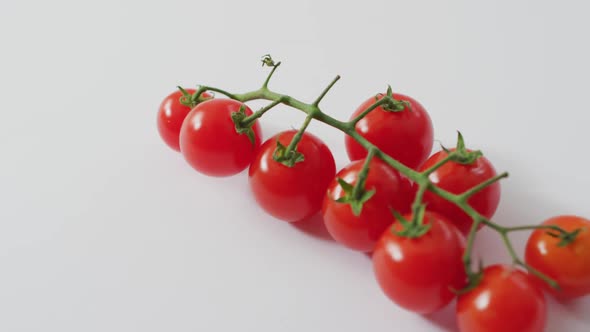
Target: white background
x=103 y=228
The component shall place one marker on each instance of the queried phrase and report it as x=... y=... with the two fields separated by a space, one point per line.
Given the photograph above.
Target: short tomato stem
x=517 y=261
x=438 y=165
x=203 y=88
x=297 y=137
x=417 y=204
x=325 y=91
x=533 y=227
x=364 y=113
x=467 y=194
x=272 y=71
x=359 y=187
x=248 y=120
x=469 y=246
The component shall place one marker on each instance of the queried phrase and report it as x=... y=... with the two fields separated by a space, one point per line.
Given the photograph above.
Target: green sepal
x=445 y=149
x=237 y=118
x=347 y=187
x=293 y=157
x=192 y=100
x=356 y=204
x=186 y=99
x=460 y=141
x=414 y=228
x=394 y=105
x=567 y=238
x=462 y=155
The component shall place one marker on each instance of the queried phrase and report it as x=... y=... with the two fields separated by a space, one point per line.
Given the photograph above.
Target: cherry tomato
x=568 y=265
x=210 y=143
x=506 y=300
x=362 y=232
x=171 y=114
x=292 y=193
x=419 y=273
x=406 y=135
x=457 y=178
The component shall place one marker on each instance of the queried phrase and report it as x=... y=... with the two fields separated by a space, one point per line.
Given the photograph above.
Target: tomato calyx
x=390 y=104
x=287 y=157
x=192 y=100
x=461 y=154
x=357 y=195
x=238 y=119
x=565 y=238
x=356 y=199
x=414 y=228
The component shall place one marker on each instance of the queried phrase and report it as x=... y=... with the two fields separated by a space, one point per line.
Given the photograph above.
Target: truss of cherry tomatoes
x=416 y=213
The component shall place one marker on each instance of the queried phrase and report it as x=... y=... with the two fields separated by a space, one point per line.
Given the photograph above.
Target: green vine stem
x=460 y=154
x=359 y=187
x=246 y=122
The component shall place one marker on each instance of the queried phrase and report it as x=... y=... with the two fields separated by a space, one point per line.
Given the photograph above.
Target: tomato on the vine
x=457 y=178
x=391 y=190
x=171 y=115
x=569 y=264
x=292 y=193
x=210 y=142
x=506 y=299
x=420 y=274
x=405 y=135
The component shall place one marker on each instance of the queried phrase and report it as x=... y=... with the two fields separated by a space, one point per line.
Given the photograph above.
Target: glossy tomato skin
x=292 y=193
x=171 y=115
x=406 y=135
x=569 y=265
x=457 y=178
x=362 y=232
x=419 y=273
x=506 y=300
x=210 y=143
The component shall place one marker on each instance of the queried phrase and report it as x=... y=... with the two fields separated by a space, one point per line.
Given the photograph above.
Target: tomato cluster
x=416 y=237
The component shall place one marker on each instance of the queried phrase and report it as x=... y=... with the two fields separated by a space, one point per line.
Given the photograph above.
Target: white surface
x=103 y=228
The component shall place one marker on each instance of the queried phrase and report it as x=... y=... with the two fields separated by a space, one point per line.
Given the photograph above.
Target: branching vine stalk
x=289 y=156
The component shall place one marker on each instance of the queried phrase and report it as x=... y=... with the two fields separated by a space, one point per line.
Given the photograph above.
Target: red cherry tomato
x=171 y=114
x=506 y=300
x=406 y=135
x=419 y=273
x=362 y=232
x=568 y=265
x=457 y=178
x=210 y=143
x=292 y=193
